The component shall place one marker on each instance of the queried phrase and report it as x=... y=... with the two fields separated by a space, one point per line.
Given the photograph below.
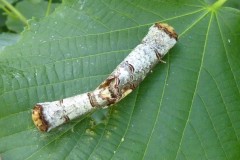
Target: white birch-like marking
x=125 y=78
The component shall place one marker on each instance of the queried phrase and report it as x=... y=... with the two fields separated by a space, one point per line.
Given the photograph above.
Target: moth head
x=167 y=29
x=38 y=118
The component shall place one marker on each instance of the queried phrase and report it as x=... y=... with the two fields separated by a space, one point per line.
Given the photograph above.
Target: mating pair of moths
x=122 y=81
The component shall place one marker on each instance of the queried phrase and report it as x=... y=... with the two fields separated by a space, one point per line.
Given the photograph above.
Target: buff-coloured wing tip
x=38 y=118
x=168 y=29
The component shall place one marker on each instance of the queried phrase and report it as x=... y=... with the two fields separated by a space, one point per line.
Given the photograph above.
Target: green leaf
x=233 y=3
x=187 y=108
x=9 y=1
x=29 y=9
x=7 y=39
x=2 y=19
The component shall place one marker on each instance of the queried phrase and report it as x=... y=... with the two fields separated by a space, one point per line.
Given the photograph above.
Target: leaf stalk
x=48 y=7
x=217 y=4
x=15 y=11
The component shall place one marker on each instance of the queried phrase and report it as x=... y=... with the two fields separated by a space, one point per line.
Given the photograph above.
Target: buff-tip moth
x=123 y=80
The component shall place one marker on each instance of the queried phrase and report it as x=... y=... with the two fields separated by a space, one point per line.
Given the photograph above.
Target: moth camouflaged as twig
x=123 y=80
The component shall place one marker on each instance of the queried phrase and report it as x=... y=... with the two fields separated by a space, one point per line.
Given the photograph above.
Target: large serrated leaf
x=187 y=108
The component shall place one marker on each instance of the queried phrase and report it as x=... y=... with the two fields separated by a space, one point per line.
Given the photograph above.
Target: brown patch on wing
x=168 y=29
x=66 y=118
x=38 y=118
x=130 y=66
x=158 y=55
x=107 y=82
x=92 y=100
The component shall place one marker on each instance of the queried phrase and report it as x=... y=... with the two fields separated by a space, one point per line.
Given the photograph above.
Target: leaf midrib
x=196 y=87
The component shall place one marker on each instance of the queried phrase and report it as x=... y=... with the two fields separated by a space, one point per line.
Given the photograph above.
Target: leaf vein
x=196 y=86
